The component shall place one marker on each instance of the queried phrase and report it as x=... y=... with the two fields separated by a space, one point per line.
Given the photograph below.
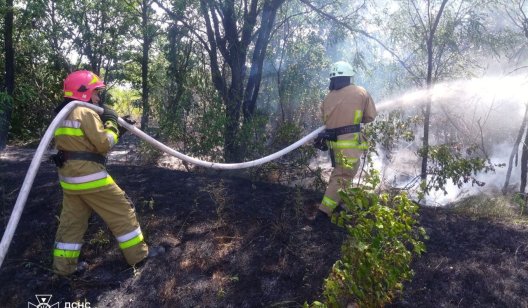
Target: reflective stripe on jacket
x=84 y=131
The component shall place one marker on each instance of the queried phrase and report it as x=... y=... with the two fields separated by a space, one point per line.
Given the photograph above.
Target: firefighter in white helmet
x=83 y=140
x=344 y=109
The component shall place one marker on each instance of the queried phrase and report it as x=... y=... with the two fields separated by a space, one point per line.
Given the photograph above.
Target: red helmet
x=81 y=84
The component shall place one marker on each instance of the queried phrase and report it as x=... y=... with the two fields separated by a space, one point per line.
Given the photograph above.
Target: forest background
x=231 y=80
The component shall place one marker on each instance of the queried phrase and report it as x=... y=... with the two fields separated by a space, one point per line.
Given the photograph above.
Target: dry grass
x=509 y=208
x=220 y=196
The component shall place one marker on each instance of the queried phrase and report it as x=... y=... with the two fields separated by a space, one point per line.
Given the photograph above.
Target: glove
x=109 y=114
x=109 y=118
x=127 y=119
x=320 y=143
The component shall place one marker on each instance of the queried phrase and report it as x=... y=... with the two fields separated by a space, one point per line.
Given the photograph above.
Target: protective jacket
x=83 y=131
x=347 y=106
x=88 y=187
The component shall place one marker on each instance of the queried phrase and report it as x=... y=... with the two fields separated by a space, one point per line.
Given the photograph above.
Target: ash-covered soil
x=231 y=242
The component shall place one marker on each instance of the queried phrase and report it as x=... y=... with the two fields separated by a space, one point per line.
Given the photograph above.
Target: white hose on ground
x=37 y=158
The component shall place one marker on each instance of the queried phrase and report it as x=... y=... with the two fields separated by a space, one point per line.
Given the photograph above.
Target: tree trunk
x=233 y=101
x=427 y=111
x=6 y=105
x=524 y=162
x=514 y=152
x=269 y=13
x=429 y=80
x=145 y=66
x=231 y=37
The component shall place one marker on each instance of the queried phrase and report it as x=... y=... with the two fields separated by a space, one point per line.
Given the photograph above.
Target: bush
x=383 y=237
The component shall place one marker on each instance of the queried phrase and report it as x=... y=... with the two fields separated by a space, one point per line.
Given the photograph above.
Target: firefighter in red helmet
x=83 y=140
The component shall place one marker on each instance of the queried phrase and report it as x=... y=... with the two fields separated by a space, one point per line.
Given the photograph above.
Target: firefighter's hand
x=109 y=114
x=320 y=143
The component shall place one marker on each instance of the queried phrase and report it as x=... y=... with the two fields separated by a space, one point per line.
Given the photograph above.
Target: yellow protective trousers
x=112 y=205
x=340 y=178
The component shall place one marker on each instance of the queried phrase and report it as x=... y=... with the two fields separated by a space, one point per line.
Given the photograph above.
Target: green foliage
x=198 y=132
x=6 y=101
x=299 y=56
x=521 y=201
x=455 y=163
x=460 y=29
x=389 y=129
x=285 y=134
x=383 y=238
x=262 y=140
x=186 y=106
x=38 y=74
x=30 y=119
x=124 y=101
x=254 y=137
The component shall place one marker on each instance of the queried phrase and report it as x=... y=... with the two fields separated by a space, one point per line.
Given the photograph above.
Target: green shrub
x=456 y=163
x=383 y=237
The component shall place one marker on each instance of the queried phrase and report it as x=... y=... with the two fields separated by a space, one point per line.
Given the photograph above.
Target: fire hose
x=48 y=135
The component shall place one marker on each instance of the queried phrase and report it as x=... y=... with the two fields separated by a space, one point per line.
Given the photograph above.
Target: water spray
x=48 y=135
x=513 y=88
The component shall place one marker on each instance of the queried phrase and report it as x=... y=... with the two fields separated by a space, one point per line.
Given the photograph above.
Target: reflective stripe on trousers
x=130 y=239
x=67 y=250
x=94 y=180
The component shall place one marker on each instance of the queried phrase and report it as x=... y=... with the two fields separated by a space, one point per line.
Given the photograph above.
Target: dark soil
x=231 y=242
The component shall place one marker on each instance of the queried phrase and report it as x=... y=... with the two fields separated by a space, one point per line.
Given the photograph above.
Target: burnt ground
x=231 y=242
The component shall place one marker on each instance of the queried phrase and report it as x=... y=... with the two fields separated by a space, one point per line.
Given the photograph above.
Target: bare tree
x=6 y=100
x=514 y=154
x=148 y=32
x=429 y=25
x=234 y=33
x=517 y=11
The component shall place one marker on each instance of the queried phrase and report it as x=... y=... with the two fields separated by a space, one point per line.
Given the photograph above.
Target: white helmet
x=341 y=68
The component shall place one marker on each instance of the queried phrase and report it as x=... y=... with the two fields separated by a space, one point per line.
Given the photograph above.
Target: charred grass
x=232 y=242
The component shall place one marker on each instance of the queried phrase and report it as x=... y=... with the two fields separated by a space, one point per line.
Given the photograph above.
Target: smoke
x=487 y=111
x=404 y=170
